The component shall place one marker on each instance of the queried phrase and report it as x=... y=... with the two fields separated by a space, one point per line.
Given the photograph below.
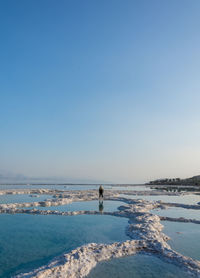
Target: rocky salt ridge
x=181 y=205
x=28 y=191
x=80 y=261
x=144 y=229
x=110 y=192
x=179 y=219
x=63 y=199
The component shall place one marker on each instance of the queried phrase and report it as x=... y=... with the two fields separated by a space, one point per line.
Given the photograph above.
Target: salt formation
x=144 y=229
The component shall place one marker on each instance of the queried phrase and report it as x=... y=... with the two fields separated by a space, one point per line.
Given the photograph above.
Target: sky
x=105 y=90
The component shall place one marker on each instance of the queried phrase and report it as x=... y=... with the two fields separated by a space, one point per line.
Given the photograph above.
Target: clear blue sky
x=105 y=90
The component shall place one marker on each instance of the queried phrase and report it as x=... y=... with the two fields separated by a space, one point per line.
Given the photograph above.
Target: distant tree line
x=176 y=181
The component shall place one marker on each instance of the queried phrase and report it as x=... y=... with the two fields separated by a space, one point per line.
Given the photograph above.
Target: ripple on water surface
x=29 y=241
x=184 y=238
x=138 y=266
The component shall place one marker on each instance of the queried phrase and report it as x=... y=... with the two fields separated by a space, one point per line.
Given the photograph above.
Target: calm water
x=191 y=199
x=22 y=198
x=73 y=187
x=178 y=212
x=48 y=186
x=185 y=238
x=138 y=266
x=134 y=188
x=29 y=241
x=87 y=205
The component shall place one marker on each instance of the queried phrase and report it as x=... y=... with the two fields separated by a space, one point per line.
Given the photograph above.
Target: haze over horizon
x=8 y=177
x=104 y=91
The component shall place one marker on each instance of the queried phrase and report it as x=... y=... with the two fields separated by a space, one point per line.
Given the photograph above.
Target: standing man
x=101 y=190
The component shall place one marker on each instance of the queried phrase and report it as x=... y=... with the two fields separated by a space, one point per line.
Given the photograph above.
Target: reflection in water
x=100 y=206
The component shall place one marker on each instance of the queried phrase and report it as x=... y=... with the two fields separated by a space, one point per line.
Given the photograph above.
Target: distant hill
x=177 y=181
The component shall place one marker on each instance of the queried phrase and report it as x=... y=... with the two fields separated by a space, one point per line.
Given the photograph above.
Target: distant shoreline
x=97 y=184
x=193 y=181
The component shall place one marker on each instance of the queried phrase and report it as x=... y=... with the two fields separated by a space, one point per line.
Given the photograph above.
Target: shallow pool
x=22 y=198
x=138 y=266
x=191 y=199
x=185 y=238
x=29 y=241
x=178 y=212
x=106 y=206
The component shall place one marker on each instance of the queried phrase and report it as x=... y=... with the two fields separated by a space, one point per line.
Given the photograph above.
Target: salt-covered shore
x=144 y=229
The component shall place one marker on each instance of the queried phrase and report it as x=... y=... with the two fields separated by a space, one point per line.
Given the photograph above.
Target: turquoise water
x=29 y=241
x=21 y=198
x=138 y=266
x=191 y=199
x=87 y=205
x=185 y=238
x=178 y=212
